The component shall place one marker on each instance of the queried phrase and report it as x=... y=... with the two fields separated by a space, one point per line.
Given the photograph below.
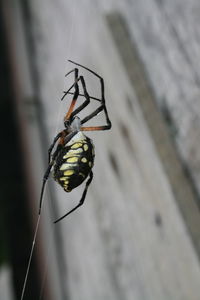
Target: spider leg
x=100 y=108
x=87 y=97
x=92 y=128
x=75 y=82
x=82 y=198
x=71 y=113
x=45 y=178
x=53 y=144
x=94 y=98
x=75 y=96
x=77 y=64
x=46 y=175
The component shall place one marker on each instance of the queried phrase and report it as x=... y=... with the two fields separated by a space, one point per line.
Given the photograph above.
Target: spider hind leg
x=81 y=200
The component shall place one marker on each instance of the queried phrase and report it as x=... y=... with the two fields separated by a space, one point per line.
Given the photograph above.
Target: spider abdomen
x=74 y=162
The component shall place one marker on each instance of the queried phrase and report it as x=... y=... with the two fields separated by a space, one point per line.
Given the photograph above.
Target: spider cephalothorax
x=73 y=159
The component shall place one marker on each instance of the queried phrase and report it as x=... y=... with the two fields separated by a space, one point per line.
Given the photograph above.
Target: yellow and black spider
x=73 y=159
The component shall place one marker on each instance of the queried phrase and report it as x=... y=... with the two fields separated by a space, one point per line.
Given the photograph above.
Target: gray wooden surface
x=129 y=240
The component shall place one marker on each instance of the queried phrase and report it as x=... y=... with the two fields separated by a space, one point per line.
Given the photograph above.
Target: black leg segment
x=82 y=198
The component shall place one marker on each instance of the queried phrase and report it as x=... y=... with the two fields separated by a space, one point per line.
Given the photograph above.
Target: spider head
x=73 y=125
x=76 y=124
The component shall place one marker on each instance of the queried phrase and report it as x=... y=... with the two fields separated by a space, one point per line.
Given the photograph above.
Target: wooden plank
x=166 y=35
x=182 y=188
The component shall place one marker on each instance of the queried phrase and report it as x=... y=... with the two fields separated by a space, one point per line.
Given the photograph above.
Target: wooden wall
x=137 y=236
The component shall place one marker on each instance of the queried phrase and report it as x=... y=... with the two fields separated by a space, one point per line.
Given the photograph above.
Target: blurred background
x=137 y=237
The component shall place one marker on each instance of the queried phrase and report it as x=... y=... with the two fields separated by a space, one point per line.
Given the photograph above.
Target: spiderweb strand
x=30 y=258
x=68 y=53
x=44 y=274
x=48 y=253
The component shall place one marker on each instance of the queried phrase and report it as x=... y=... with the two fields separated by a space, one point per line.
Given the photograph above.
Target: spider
x=73 y=158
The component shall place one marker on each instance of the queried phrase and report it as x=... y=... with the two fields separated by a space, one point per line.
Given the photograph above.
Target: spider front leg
x=53 y=144
x=46 y=175
x=82 y=198
x=102 y=107
x=71 y=113
x=87 y=97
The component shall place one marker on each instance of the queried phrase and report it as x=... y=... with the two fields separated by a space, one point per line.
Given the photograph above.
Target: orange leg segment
x=95 y=128
x=71 y=108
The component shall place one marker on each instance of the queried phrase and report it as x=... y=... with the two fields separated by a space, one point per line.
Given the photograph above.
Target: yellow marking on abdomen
x=69 y=172
x=64 y=167
x=72 y=159
x=71 y=153
x=85 y=147
x=84 y=160
x=65 y=183
x=63 y=178
x=76 y=145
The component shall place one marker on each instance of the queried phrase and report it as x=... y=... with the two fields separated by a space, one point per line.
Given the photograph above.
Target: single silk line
x=30 y=258
x=44 y=279
x=68 y=51
x=48 y=253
